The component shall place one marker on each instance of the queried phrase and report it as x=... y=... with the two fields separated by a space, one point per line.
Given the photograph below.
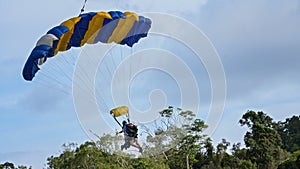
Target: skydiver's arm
x=120 y=131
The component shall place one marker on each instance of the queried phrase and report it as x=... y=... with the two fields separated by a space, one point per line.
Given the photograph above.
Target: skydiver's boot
x=126 y=146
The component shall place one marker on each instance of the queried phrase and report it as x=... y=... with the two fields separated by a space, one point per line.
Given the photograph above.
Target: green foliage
x=240 y=153
x=148 y=163
x=289 y=131
x=88 y=155
x=292 y=163
x=251 y=117
x=187 y=147
x=9 y=165
x=182 y=145
x=263 y=141
x=109 y=143
x=184 y=136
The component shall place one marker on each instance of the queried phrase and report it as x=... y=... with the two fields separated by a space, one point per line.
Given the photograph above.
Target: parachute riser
x=82 y=9
x=117 y=121
x=128 y=117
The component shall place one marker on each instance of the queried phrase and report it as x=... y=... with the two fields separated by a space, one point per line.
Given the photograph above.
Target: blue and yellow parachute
x=89 y=28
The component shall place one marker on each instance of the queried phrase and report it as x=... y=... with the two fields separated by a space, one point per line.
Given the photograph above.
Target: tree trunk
x=187 y=161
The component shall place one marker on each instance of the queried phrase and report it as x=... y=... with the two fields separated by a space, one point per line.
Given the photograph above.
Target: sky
x=257 y=42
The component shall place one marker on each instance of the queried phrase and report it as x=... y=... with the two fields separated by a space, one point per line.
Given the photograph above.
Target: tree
x=9 y=165
x=179 y=135
x=292 y=163
x=263 y=141
x=109 y=143
x=289 y=131
x=149 y=163
x=221 y=151
x=193 y=142
x=90 y=156
x=86 y=156
x=64 y=160
x=237 y=151
x=251 y=117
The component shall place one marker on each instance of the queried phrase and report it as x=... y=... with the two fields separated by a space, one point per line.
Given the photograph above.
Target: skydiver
x=130 y=137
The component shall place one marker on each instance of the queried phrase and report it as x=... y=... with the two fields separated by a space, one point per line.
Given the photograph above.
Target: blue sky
x=257 y=41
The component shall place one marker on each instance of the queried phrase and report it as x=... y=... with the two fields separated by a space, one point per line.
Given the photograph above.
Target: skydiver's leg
x=127 y=142
x=132 y=142
x=137 y=142
x=139 y=146
x=124 y=145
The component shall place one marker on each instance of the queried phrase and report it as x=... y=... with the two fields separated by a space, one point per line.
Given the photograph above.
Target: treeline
x=268 y=145
x=9 y=165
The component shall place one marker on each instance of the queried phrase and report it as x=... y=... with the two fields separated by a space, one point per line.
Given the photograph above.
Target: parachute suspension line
x=73 y=59
x=130 y=64
x=114 y=65
x=60 y=77
x=130 y=68
x=46 y=82
x=62 y=70
x=107 y=68
x=105 y=72
x=82 y=70
x=97 y=91
x=83 y=81
x=66 y=65
x=89 y=90
x=100 y=91
x=48 y=75
x=84 y=77
x=121 y=55
x=117 y=121
x=71 y=66
x=104 y=102
x=81 y=76
x=82 y=9
x=128 y=119
x=70 y=63
x=113 y=61
x=122 y=78
x=58 y=64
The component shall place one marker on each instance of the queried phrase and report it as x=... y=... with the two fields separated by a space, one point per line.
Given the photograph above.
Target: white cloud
x=253 y=23
x=149 y=6
x=257 y=40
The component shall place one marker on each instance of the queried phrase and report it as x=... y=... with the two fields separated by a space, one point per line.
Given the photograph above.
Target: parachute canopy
x=119 y=111
x=89 y=28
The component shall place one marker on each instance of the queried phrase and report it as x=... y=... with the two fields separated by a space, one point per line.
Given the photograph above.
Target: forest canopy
x=268 y=144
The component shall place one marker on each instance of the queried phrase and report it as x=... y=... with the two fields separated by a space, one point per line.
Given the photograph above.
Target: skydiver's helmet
x=124 y=123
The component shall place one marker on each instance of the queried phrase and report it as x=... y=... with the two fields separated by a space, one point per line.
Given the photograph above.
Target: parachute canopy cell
x=89 y=28
x=119 y=111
